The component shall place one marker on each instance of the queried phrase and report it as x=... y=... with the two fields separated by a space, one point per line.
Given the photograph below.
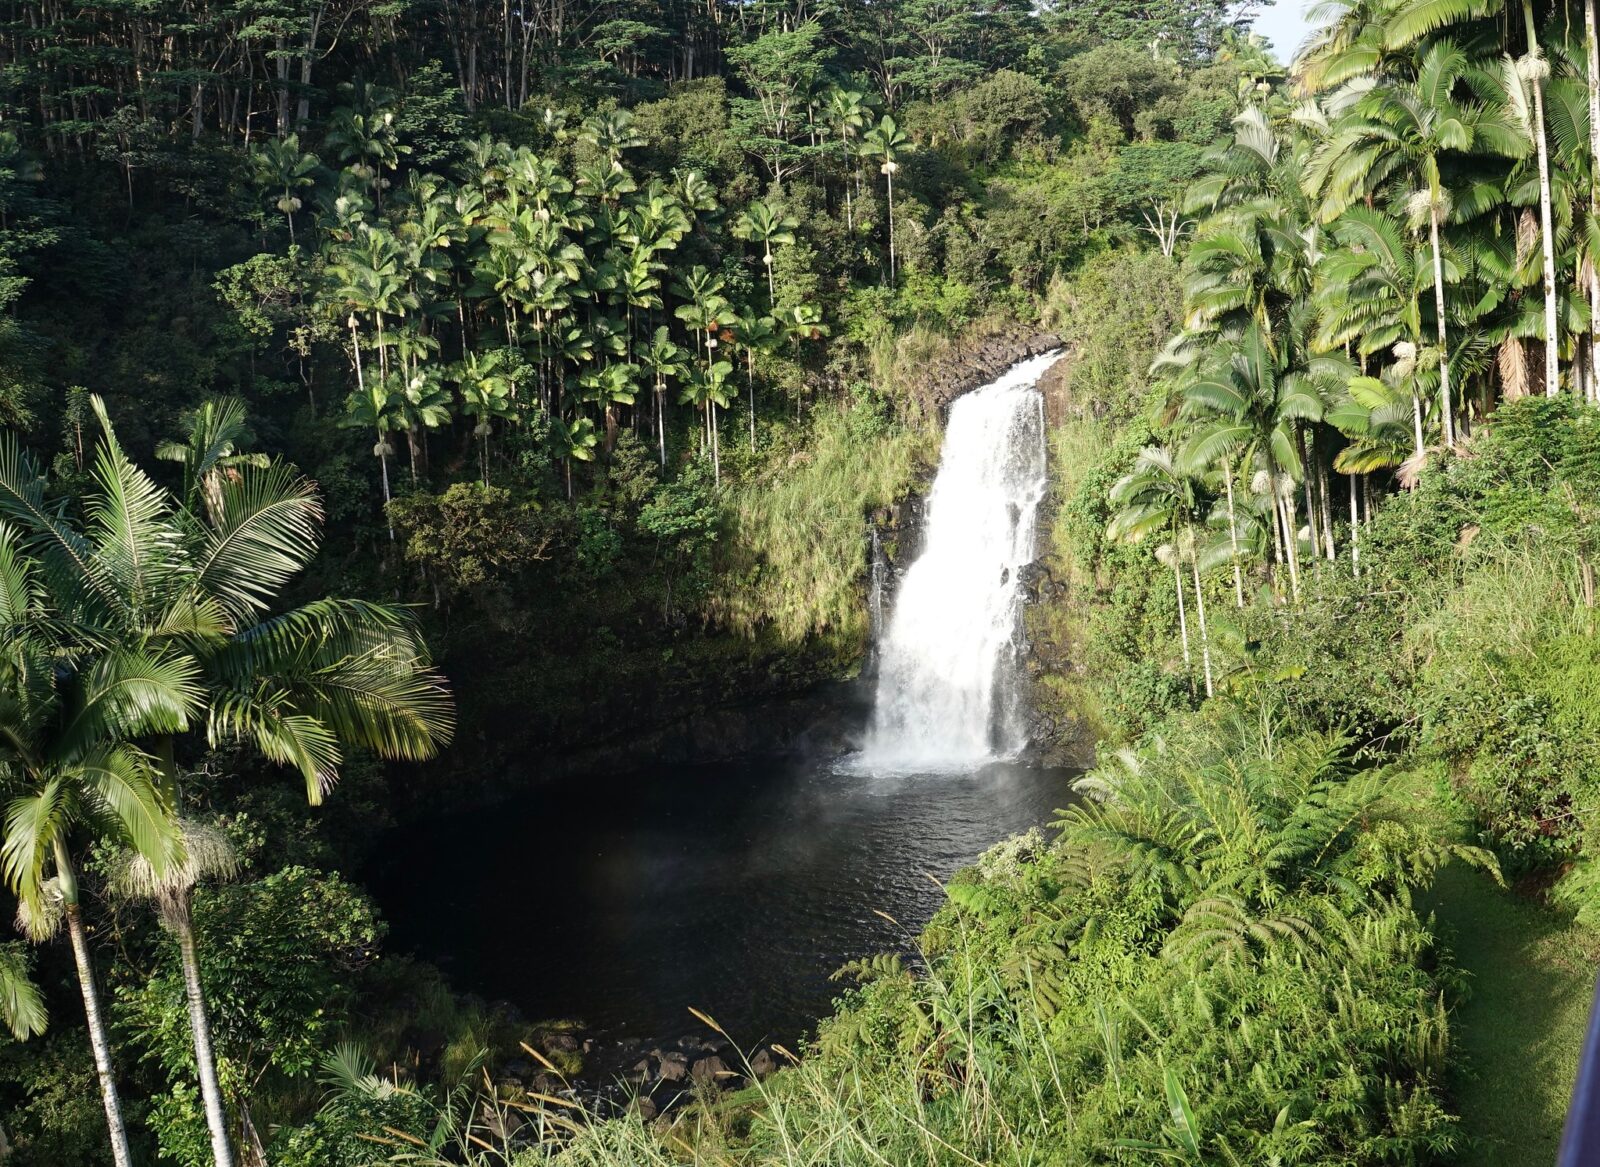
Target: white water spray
x=947 y=680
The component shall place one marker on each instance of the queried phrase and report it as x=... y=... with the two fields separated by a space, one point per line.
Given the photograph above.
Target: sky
x=1283 y=22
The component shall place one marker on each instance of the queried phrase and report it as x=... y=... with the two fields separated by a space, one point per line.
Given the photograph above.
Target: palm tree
x=665 y=360
x=611 y=133
x=761 y=223
x=1157 y=496
x=754 y=334
x=71 y=698
x=847 y=110
x=281 y=167
x=706 y=387
x=207 y=854
x=485 y=395
x=1523 y=86
x=180 y=593
x=1406 y=129
x=377 y=407
x=1369 y=295
x=888 y=141
x=1249 y=404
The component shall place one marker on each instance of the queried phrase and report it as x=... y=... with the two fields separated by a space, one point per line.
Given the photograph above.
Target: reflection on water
x=733 y=888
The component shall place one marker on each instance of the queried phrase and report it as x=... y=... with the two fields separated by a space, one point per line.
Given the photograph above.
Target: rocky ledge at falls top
x=973 y=363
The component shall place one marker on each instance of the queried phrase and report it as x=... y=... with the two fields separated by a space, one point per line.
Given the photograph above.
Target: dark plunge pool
x=623 y=900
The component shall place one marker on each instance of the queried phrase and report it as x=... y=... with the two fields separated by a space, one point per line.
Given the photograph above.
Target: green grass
x=797 y=547
x=1521 y=1030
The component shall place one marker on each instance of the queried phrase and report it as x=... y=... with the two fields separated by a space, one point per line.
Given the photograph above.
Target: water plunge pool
x=621 y=901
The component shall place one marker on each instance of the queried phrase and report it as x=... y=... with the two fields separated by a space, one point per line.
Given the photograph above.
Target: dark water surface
x=734 y=888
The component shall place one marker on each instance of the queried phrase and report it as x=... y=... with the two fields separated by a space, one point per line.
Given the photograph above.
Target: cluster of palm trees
x=861 y=133
x=1381 y=257
x=518 y=294
x=142 y=627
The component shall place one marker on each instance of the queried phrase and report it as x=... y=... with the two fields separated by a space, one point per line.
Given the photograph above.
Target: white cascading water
x=947 y=694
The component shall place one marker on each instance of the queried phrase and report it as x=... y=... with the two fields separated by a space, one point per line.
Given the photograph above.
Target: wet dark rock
x=709 y=1069
x=763 y=1064
x=974 y=363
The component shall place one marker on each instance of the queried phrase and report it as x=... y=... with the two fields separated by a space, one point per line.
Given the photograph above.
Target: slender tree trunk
x=1308 y=484
x=355 y=344
x=890 y=175
x=182 y=920
x=1552 y=339
x=1416 y=425
x=1183 y=616
x=99 y=1041
x=1355 y=530
x=752 y=380
x=1233 y=538
x=1291 y=539
x=1200 y=612
x=1448 y=421
x=383 y=460
x=1327 y=508
x=849 y=210
x=1279 y=553
x=661 y=423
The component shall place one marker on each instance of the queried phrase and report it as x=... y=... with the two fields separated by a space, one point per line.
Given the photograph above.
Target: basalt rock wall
x=972 y=363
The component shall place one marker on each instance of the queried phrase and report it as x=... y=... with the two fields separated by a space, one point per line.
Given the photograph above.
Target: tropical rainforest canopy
x=581 y=345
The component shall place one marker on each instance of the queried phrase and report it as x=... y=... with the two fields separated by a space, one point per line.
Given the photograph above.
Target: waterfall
x=948 y=666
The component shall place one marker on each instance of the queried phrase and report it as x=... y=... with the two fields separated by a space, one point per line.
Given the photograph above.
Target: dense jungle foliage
x=583 y=340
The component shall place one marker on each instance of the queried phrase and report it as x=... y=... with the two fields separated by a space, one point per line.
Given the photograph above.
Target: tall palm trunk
x=1183 y=615
x=1200 y=611
x=849 y=210
x=716 y=446
x=1291 y=540
x=889 y=173
x=1323 y=489
x=182 y=923
x=1552 y=339
x=1448 y=421
x=1279 y=555
x=355 y=343
x=661 y=421
x=1233 y=539
x=1355 y=527
x=1309 y=485
x=383 y=461
x=99 y=1040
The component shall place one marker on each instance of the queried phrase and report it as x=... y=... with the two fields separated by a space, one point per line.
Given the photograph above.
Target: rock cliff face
x=972 y=363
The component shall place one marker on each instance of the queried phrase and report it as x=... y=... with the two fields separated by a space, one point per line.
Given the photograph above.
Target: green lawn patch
x=1521 y=1030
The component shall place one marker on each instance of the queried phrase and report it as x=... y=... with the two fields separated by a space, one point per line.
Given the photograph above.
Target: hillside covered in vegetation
x=402 y=397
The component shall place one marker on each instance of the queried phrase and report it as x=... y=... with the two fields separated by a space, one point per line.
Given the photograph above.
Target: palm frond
x=266 y=527
x=21 y=1003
